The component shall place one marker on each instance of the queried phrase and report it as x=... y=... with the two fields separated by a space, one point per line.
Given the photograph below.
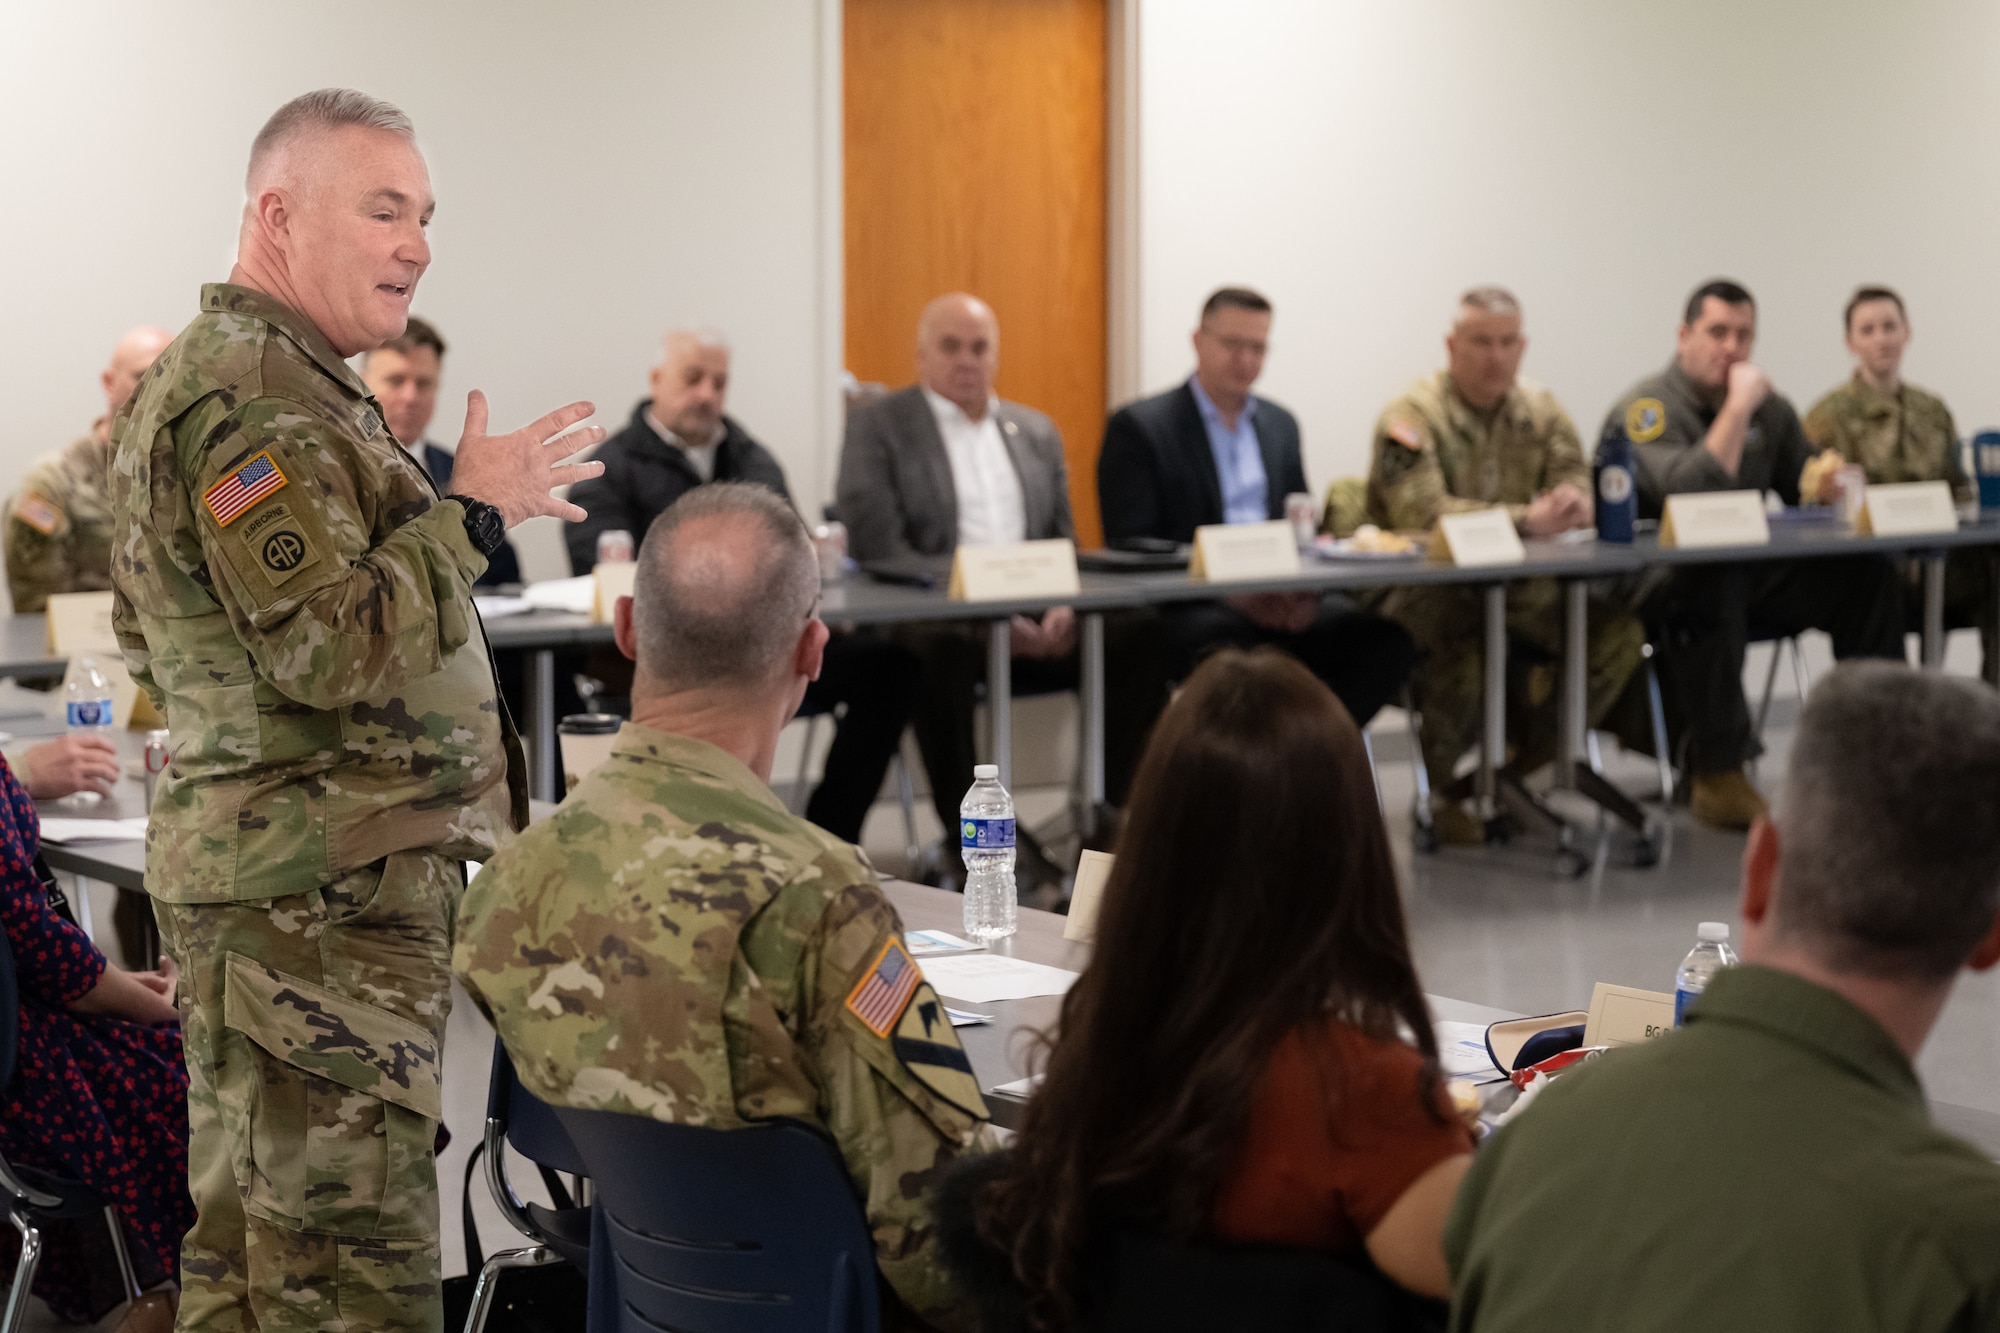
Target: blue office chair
x=700 y=1230
x=516 y=1116
x=33 y=1197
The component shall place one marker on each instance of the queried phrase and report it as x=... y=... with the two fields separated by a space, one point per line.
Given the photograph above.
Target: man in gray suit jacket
x=943 y=464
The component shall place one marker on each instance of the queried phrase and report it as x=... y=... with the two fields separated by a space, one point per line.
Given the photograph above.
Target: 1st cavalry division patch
x=1645 y=420
x=241 y=488
x=892 y=996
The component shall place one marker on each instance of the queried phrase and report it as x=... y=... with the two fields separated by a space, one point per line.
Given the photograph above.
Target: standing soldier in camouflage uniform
x=1477 y=436
x=673 y=943
x=1898 y=432
x=59 y=520
x=296 y=597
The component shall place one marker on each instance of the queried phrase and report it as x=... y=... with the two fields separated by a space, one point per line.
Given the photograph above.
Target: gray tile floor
x=1493 y=926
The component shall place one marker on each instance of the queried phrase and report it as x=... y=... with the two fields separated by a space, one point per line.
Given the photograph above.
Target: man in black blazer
x=946 y=463
x=1211 y=452
x=679 y=439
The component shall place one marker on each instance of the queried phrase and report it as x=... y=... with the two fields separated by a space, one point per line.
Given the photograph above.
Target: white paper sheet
x=494 y=606
x=984 y=978
x=60 y=829
x=1462 y=1051
x=578 y=594
x=936 y=943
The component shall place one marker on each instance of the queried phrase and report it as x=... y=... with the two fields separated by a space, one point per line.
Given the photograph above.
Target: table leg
x=1573 y=721
x=1493 y=749
x=542 y=725
x=1092 y=671
x=1933 y=651
x=1000 y=696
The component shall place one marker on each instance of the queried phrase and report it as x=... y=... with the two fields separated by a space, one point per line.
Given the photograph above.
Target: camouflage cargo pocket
x=343 y=1108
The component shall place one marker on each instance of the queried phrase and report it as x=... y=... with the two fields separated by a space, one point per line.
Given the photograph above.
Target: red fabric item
x=1339 y=1128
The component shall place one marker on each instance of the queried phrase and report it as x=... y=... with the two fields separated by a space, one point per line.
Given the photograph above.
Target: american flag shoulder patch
x=242 y=487
x=879 y=998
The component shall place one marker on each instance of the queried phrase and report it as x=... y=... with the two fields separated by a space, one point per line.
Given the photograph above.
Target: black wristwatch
x=484 y=527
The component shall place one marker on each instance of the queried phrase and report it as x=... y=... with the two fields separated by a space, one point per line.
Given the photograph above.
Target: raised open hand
x=516 y=473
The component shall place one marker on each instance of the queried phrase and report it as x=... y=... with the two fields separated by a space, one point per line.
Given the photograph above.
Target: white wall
x=603 y=171
x=1362 y=163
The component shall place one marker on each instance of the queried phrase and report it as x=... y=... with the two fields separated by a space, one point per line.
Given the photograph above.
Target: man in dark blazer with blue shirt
x=1211 y=452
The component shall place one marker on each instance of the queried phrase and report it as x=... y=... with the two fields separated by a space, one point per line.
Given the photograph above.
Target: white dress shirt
x=990 y=509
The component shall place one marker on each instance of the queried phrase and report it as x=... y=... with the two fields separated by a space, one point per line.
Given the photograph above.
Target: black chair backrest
x=530 y=1123
x=754 y=1230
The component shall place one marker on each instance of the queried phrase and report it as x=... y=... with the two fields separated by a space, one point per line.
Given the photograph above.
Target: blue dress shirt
x=1239 y=459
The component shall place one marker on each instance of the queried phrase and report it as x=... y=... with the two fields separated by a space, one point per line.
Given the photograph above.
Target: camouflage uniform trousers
x=1449 y=685
x=314 y=1024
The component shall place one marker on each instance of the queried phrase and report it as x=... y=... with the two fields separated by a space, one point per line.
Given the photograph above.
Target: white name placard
x=1239 y=552
x=613 y=582
x=1093 y=869
x=1014 y=572
x=1479 y=538
x=80 y=622
x=1907 y=509
x=1626 y=1016
x=1715 y=518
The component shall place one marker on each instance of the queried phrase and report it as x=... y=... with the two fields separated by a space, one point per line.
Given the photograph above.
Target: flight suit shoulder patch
x=1645 y=420
x=38 y=513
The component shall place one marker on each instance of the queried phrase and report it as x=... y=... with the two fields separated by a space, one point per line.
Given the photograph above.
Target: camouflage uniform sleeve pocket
x=342 y=1101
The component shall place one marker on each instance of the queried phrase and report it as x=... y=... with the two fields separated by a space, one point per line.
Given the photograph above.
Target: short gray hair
x=320 y=111
x=727 y=579
x=1490 y=299
x=1889 y=826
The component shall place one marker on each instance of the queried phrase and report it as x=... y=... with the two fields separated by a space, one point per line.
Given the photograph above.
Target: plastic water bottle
x=1711 y=953
x=86 y=708
x=1616 y=479
x=986 y=842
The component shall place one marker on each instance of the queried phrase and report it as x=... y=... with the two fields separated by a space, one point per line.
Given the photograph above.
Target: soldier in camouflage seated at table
x=673 y=943
x=1478 y=436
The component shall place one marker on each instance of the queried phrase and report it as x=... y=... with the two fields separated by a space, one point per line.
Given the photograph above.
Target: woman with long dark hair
x=1248 y=1056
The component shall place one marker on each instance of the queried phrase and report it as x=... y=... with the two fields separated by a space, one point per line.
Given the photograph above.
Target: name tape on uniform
x=1240 y=552
x=1478 y=539
x=1626 y=1016
x=1907 y=509
x=1014 y=571
x=1695 y=519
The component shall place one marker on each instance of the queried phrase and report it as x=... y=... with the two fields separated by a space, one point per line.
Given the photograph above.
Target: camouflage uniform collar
x=1513 y=407
x=253 y=304
x=1872 y=400
x=648 y=745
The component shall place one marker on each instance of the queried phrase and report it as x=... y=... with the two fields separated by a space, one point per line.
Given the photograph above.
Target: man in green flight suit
x=673 y=943
x=1896 y=432
x=1479 y=436
x=295 y=596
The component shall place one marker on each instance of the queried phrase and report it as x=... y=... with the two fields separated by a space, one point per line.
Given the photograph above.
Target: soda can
x=614 y=547
x=830 y=544
x=158 y=756
x=1302 y=512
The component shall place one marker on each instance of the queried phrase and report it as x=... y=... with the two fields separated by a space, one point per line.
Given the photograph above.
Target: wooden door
x=975 y=161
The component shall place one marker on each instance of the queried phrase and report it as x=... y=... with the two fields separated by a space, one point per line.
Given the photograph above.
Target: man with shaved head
x=296 y=598
x=680 y=438
x=947 y=463
x=759 y=971
x=59 y=521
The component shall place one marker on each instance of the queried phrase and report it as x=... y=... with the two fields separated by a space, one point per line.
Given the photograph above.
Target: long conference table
x=1002 y=1052
x=861 y=601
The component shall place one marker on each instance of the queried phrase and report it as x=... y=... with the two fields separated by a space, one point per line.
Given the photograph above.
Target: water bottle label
x=986 y=835
x=1682 y=999
x=90 y=712
x=1614 y=484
